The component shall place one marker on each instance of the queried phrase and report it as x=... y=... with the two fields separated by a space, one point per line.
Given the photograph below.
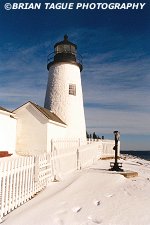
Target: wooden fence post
x=36 y=168
x=78 y=160
x=52 y=157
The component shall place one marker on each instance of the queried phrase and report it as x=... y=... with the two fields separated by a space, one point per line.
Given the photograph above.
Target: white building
x=7 y=131
x=36 y=127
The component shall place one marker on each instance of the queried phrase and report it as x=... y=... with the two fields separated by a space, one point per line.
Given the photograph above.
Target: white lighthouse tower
x=64 y=90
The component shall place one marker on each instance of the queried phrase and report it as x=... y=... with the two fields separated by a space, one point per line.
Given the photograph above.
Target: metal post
x=116 y=149
x=116 y=166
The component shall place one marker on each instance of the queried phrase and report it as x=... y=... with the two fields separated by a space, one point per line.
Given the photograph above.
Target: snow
x=91 y=196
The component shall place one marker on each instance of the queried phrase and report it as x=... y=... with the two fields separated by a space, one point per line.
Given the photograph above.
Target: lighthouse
x=64 y=90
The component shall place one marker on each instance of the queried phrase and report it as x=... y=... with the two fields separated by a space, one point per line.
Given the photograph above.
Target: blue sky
x=115 y=45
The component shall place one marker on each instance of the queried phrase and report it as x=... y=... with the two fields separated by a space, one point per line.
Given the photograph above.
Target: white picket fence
x=65 y=143
x=107 y=150
x=22 y=177
x=69 y=155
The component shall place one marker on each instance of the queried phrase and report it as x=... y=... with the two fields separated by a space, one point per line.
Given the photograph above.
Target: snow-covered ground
x=91 y=196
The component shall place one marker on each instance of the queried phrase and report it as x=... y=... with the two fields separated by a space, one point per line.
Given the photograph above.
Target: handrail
x=50 y=57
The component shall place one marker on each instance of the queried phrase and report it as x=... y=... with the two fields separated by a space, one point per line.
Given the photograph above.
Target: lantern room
x=65 y=46
x=65 y=51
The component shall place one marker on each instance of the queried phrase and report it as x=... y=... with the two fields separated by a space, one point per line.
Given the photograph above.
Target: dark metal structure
x=116 y=166
x=65 y=51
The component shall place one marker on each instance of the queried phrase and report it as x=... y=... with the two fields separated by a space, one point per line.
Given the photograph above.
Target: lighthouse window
x=66 y=48
x=62 y=48
x=73 y=50
x=59 y=49
x=72 y=89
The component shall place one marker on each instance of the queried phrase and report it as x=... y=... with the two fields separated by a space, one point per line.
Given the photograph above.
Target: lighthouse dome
x=65 y=51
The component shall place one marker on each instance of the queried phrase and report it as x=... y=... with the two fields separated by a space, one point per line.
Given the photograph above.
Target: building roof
x=3 y=109
x=47 y=113
x=50 y=115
